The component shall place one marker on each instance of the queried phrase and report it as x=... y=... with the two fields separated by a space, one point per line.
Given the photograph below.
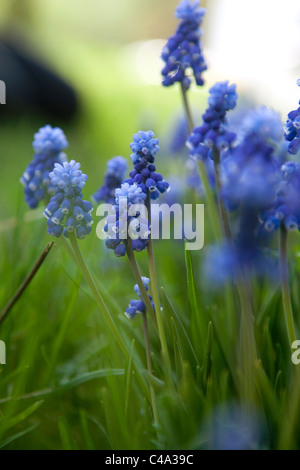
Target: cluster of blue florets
x=285 y=210
x=48 y=144
x=67 y=212
x=292 y=129
x=183 y=50
x=138 y=306
x=144 y=148
x=127 y=221
x=114 y=176
x=213 y=131
x=250 y=170
x=131 y=222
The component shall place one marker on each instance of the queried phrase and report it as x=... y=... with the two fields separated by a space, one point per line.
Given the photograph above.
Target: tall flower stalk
x=153 y=278
x=140 y=307
x=144 y=148
x=68 y=215
x=285 y=287
x=207 y=141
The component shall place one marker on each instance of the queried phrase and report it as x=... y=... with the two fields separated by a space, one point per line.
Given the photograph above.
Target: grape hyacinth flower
x=138 y=306
x=48 y=144
x=114 y=176
x=250 y=171
x=122 y=225
x=144 y=148
x=213 y=132
x=292 y=129
x=183 y=50
x=285 y=210
x=67 y=212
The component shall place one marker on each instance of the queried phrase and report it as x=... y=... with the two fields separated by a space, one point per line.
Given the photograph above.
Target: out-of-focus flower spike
x=48 y=144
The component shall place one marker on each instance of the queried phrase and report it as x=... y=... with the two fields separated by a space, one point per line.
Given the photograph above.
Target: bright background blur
x=109 y=53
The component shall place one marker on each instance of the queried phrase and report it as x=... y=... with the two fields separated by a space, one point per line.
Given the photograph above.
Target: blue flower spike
x=117 y=227
x=214 y=131
x=285 y=209
x=145 y=147
x=143 y=180
x=251 y=170
x=67 y=212
x=48 y=144
x=183 y=50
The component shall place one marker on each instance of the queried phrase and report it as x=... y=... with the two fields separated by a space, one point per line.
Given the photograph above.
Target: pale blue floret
x=49 y=139
x=133 y=193
x=114 y=176
x=48 y=144
x=188 y=10
x=67 y=209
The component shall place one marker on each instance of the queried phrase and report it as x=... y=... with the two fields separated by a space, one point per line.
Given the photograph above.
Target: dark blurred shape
x=32 y=87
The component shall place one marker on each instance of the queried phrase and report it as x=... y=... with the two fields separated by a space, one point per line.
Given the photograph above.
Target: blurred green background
x=109 y=53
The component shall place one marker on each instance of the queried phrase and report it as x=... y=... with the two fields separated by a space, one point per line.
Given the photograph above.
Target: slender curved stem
x=104 y=309
x=149 y=366
x=212 y=209
x=146 y=300
x=26 y=281
x=211 y=204
x=222 y=210
x=97 y=295
x=154 y=286
x=187 y=108
x=138 y=278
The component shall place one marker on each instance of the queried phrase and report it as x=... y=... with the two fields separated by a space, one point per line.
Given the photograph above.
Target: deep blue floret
x=292 y=130
x=126 y=226
x=138 y=306
x=145 y=147
x=213 y=131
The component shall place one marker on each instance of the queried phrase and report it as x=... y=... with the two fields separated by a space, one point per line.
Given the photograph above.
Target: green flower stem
x=285 y=288
x=248 y=357
x=149 y=366
x=104 y=310
x=187 y=109
x=247 y=339
x=97 y=295
x=292 y=405
x=212 y=209
x=154 y=287
x=146 y=300
x=220 y=223
x=26 y=281
x=138 y=278
x=222 y=210
x=211 y=204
